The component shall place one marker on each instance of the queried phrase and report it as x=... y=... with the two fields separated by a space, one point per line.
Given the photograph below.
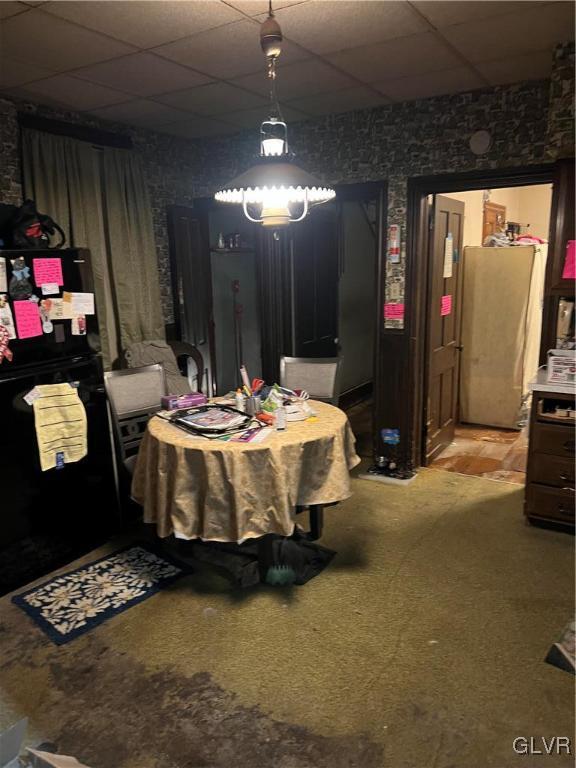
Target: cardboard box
x=171 y=402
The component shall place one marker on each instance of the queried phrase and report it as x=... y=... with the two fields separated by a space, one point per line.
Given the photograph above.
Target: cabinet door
x=561 y=231
x=315 y=275
x=561 y=228
x=192 y=285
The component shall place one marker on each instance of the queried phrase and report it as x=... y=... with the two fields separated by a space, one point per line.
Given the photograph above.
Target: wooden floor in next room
x=489 y=452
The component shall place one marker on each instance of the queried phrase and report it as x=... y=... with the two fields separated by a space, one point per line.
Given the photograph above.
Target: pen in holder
x=253 y=405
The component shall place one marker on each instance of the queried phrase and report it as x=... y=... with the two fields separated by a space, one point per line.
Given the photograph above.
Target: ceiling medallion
x=274 y=192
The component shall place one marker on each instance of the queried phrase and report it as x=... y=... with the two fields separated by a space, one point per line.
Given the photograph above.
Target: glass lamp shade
x=275 y=193
x=272 y=147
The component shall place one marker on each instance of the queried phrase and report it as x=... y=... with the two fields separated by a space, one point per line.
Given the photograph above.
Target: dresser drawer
x=554 y=439
x=549 y=503
x=552 y=470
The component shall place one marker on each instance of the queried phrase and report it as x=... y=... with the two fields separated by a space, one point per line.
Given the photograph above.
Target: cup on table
x=253 y=405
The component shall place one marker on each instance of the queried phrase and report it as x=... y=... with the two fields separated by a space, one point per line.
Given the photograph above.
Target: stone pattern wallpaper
x=561 y=111
x=171 y=166
x=530 y=123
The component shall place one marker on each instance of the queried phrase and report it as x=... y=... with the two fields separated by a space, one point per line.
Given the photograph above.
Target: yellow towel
x=61 y=426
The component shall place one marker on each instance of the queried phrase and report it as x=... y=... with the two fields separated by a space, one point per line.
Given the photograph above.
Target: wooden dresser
x=551 y=451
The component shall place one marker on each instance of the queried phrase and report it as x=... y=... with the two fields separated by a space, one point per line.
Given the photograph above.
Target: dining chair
x=319 y=376
x=134 y=395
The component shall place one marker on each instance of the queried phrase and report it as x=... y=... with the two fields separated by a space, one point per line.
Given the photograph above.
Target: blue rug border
x=95 y=621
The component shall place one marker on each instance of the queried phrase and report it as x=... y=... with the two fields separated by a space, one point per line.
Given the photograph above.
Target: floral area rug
x=76 y=602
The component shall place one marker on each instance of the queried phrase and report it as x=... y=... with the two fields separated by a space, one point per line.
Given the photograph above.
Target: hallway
x=488 y=452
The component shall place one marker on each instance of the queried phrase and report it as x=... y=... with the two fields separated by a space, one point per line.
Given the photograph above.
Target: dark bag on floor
x=25 y=227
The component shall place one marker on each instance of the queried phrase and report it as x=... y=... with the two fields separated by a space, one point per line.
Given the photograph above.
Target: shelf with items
x=231 y=250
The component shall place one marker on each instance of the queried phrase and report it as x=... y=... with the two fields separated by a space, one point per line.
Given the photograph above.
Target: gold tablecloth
x=223 y=491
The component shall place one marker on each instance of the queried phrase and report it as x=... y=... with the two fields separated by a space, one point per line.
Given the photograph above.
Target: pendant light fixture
x=274 y=192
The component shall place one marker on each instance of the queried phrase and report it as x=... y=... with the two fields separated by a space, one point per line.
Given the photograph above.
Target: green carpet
x=421 y=646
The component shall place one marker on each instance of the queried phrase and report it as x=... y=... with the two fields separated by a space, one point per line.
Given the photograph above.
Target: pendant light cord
x=275 y=110
x=274 y=104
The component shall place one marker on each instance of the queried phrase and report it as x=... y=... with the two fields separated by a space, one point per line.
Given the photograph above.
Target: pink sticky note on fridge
x=569 y=271
x=27 y=319
x=393 y=311
x=48 y=271
x=446 y=307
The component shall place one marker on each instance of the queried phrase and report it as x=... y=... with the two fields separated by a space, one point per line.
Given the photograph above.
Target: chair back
x=134 y=395
x=319 y=376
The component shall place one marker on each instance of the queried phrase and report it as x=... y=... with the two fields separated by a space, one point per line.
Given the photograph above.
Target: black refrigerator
x=49 y=518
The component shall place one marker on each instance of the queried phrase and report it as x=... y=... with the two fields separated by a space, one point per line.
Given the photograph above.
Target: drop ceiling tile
x=14 y=72
x=445 y=13
x=8 y=8
x=226 y=52
x=301 y=79
x=259 y=7
x=396 y=58
x=324 y=26
x=47 y=41
x=142 y=74
x=340 y=101
x=514 y=34
x=531 y=66
x=141 y=112
x=146 y=23
x=430 y=84
x=66 y=91
x=212 y=99
x=195 y=127
x=251 y=118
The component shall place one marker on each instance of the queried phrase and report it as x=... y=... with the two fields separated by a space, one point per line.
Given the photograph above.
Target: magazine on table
x=211 y=420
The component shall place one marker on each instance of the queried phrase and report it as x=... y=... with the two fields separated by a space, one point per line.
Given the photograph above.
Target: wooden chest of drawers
x=551 y=451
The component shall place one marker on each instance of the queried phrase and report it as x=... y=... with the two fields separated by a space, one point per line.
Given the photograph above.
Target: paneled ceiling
x=194 y=67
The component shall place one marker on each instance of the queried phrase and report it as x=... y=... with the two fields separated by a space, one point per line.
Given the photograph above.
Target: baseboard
x=355 y=395
x=385 y=479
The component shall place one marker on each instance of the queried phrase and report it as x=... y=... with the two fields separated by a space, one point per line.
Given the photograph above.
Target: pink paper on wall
x=48 y=271
x=27 y=319
x=393 y=311
x=446 y=307
x=569 y=272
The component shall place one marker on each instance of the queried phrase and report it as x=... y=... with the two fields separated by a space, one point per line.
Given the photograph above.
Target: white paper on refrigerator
x=3 y=281
x=81 y=303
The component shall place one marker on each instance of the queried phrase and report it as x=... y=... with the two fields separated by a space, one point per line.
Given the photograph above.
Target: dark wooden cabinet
x=550 y=478
x=287 y=299
x=315 y=274
x=192 y=286
x=562 y=229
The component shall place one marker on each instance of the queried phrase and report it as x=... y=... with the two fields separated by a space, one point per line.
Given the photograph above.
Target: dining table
x=193 y=487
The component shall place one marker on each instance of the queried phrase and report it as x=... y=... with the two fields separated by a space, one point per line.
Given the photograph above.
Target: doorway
x=487 y=258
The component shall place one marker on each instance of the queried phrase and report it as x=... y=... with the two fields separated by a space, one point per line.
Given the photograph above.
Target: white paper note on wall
x=3 y=283
x=448 y=255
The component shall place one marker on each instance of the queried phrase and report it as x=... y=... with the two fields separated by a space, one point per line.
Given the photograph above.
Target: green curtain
x=99 y=197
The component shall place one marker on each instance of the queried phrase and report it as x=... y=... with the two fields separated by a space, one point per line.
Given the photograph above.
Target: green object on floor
x=280 y=575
